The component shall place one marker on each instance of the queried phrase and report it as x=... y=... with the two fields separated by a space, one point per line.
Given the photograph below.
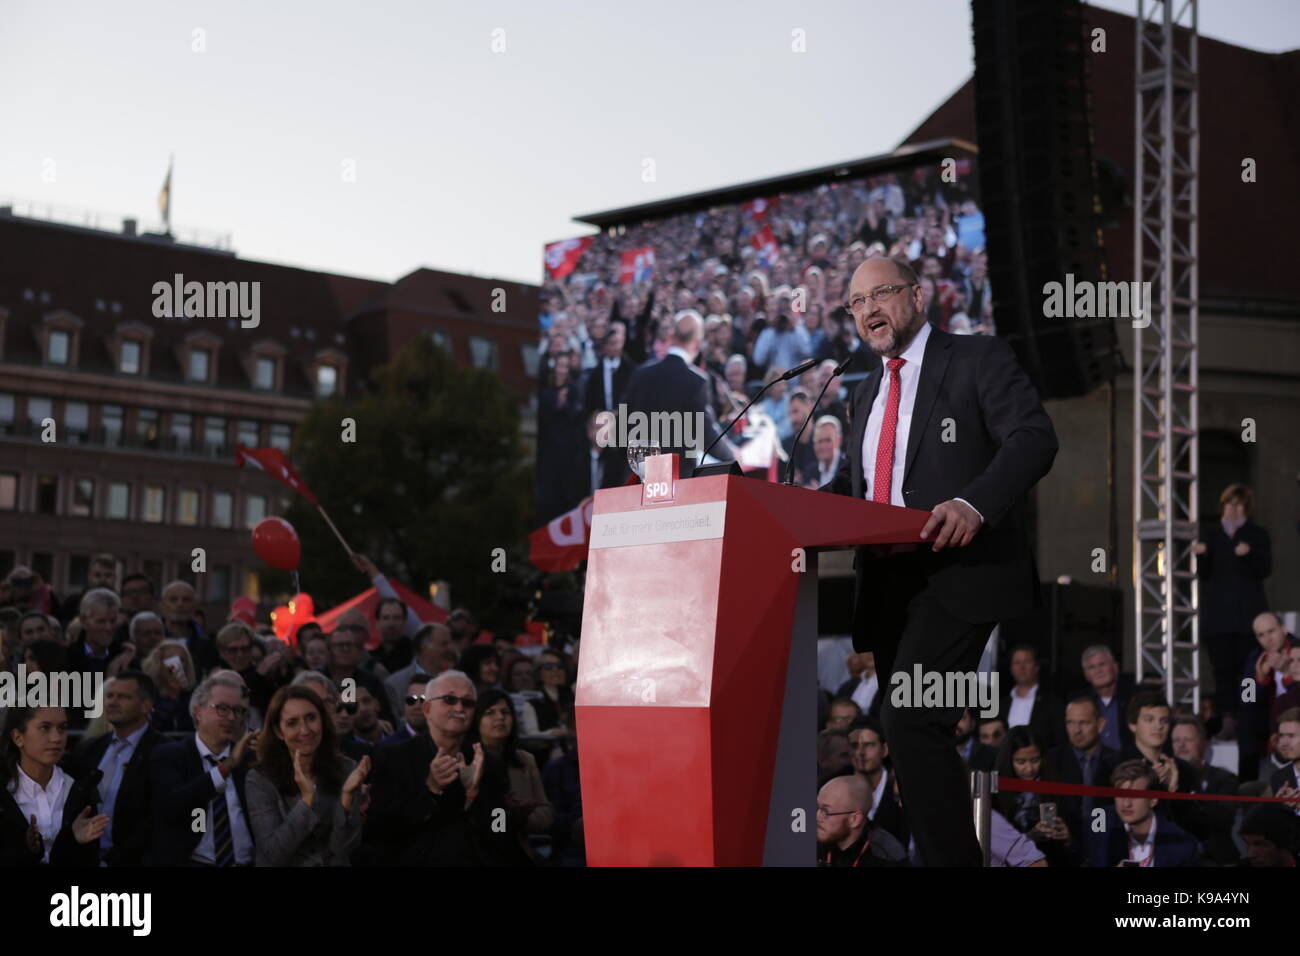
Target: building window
x=6 y=413
x=254 y=510
x=76 y=421
x=47 y=494
x=531 y=358
x=199 y=362
x=440 y=339
x=39 y=409
x=264 y=373
x=146 y=427
x=214 y=434
x=60 y=347
x=187 y=507
x=281 y=437
x=129 y=362
x=483 y=352
x=152 y=568
x=83 y=498
x=223 y=509
x=8 y=491
x=219 y=583
x=249 y=434
x=119 y=500
x=182 y=431
x=43 y=564
x=78 y=570
x=155 y=504
x=327 y=380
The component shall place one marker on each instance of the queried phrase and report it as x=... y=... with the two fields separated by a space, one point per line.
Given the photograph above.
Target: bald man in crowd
x=676 y=385
x=845 y=834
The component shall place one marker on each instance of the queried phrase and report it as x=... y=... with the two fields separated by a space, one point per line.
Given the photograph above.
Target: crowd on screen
x=430 y=747
x=768 y=281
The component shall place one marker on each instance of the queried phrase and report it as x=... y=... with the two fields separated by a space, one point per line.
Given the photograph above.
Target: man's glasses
x=828 y=812
x=413 y=699
x=351 y=708
x=859 y=302
x=451 y=700
x=225 y=710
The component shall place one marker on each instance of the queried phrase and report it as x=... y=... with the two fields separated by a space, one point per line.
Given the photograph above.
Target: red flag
x=562 y=544
x=757 y=209
x=562 y=257
x=765 y=242
x=273 y=462
x=638 y=265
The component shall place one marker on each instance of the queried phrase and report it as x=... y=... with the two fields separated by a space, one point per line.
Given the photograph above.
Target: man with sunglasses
x=951 y=425
x=434 y=797
x=346 y=650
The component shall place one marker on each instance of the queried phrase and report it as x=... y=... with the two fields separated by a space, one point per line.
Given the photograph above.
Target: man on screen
x=952 y=425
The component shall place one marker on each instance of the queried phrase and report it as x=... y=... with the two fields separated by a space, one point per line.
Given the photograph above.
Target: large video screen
x=768 y=277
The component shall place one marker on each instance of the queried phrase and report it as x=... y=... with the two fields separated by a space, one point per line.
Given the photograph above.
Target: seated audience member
x=1112 y=691
x=367 y=724
x=95 y=650
x=1149 y=720
x=122 y=755
x=305 y=800
x=413 y=723
x=144 y=633
x=315 y=648
x=843 y=713
x=32 y=626
x=137 y=598
x=395 y=648
x=1040 y=817
x=45 y=816
x=345 y=714
x=1134 y=835
x=557 y=696
x=206 y=772
x=868 y=751
x=1265 y=665
x=434 y=795
x=178 y=609
x=345 y=661
x=1272 y=837
x=1009 y=847
x=1286 y=781
x=834 y=758
x=496 y=727
x=977 y=755
x=1030 y=703
x=434 y=654
x=235 y=649
x=992 y=731
x=1084 y=759
x=482 y=663
x=1289 y=697
x=863 y=685
x=1191 y=745
x=171 y=669
x=846 y=836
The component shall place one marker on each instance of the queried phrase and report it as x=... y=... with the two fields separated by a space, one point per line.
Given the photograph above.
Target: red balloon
x=277 y=543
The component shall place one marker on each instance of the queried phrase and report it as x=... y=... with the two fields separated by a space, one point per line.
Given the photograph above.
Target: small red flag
x=273 y=462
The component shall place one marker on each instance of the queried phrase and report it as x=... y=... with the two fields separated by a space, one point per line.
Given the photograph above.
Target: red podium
x=697 y=678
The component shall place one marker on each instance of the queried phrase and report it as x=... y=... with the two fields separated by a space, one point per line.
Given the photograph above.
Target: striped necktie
x=223 y=844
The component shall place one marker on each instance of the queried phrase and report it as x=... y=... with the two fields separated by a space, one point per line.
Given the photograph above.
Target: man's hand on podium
x=954 y=524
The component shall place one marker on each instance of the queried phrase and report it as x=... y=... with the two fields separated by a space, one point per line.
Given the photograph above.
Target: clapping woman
x=305 y=798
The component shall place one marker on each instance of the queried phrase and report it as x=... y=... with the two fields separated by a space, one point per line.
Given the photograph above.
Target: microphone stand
x=789 y=467
x=793 y=373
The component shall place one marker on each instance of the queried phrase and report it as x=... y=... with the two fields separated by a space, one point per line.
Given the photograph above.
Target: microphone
x=792 y=373
x=839 y=370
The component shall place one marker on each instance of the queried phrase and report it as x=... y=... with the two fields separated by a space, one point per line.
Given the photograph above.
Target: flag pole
x=346 y=547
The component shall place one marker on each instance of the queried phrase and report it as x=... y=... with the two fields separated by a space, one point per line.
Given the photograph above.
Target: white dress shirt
x=909 y=377
x=826 y=472
x=608 y=367
x=240 y=836
x=1144 y=852
x=878 y=794
x=44 y=803
x=1021 y=707
x=865 y=692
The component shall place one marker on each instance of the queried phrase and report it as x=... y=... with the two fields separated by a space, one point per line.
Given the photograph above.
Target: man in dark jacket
x=1133 y=833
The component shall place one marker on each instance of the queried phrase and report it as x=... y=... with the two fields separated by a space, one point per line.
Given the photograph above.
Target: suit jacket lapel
x=933 y=367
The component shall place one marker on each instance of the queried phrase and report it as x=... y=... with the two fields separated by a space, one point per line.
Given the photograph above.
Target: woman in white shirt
x=45 y=816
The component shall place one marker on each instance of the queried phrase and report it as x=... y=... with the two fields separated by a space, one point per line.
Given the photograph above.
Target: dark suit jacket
x=670 y=385
x=66 y=850
x=1218 y=846
x=1046 y=720
x=411 y=826
x=132 y=819
x=181 y=784
x=1232 y=587
x=1005 y=444
x=593 y=391
x=1125 y=687
x=889 y=815
x=1195 y=816
x=1283 y=777
x=1063 y=766
x=1174 y=846
x=850 y=685
x=982 y=756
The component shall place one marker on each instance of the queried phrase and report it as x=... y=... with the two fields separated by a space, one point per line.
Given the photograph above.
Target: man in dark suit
x=676 y=386
x=978 y=756
x=1084 y=759
x=600 y=466
x=607 y=381
x=1191 y=745
x=1030 y=702
x=205 y=773
x=1134 y=833
x=1150 y=720
x=952 y=425
x=1112 y=691
x=123 y=756
x=1285 y=782
x=868 y=750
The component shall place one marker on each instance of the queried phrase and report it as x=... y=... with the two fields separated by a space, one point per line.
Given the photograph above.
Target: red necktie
x=885 y=449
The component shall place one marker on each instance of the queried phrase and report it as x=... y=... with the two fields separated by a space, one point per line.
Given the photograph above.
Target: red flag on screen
x=765 y=242
x=758 y=208
x=638 y=265
x=562 y=257
x=273 y=462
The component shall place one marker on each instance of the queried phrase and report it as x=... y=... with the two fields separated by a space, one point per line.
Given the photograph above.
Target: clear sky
x=465 y=159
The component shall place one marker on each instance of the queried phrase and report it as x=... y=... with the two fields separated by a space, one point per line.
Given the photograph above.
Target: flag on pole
x=562 y=544
x=165 y=198
x=757 y=209
x=273 y=462
x=562 y=257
